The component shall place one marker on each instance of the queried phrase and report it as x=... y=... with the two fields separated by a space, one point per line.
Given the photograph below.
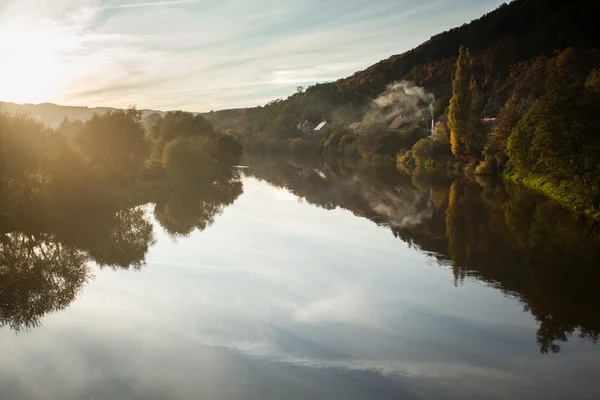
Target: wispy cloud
x=202 y=55
x=148 y=4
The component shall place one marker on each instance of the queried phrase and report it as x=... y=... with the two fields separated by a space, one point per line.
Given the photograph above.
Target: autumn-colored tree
x=466 y=136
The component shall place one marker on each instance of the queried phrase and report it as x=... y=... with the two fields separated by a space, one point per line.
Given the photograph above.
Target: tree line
x=111 y=150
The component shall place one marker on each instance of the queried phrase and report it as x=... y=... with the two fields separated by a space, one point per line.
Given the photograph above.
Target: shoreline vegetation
x=514 y=93
x=496 y=97
x=548 y=189
x=111 y=163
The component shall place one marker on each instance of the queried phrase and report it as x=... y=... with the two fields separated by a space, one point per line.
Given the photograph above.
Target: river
x=307 y=280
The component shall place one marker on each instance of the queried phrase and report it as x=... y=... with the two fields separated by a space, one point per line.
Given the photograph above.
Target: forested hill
x=512 y=34
x=53 y=114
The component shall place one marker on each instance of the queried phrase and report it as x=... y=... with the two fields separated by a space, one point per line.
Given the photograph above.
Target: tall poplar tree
x=464 y=125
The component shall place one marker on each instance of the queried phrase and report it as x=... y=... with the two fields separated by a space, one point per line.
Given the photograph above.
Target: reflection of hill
x=509 y=237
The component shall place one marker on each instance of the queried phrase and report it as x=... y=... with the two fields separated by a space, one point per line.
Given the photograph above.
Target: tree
x=180 y=124
x=22 y=148
x=150 y=121
x=466 y=134
x=70 y=128
x=557 y=140
x=186 y=158
x=441 y=133
x=229 y=149
x=114 y=142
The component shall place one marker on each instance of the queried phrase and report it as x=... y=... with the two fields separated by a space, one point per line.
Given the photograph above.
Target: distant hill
x=513 y=33
x=53 y=114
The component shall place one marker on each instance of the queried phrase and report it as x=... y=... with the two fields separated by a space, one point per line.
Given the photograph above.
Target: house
x=306 y=127
x=398 y=123
x=321 y=127
x=355 y=127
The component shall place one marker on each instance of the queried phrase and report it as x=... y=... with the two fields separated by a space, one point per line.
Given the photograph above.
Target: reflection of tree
x=520 y=243
x=38 y=275
x=527 y=246
x=191 y=207
x=122 y=240
x=44 y=257
x=45 y=247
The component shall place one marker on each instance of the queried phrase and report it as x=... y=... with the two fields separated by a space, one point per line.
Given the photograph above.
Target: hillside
x=514 y=33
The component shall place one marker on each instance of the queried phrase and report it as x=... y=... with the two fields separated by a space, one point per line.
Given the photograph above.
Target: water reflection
x=38 y=275
x=191 y=207
x=47 y=241
x=507 y=236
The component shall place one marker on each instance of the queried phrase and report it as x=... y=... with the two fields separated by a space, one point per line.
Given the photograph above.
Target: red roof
x=398 y=122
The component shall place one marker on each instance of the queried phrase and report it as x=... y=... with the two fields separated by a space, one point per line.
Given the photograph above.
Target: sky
x=202 y=55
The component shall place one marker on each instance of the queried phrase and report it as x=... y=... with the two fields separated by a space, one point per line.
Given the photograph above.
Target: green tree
x=229 y=150
x=557 y=140
x=114 y=142
x=180 y=124
x=187 y=158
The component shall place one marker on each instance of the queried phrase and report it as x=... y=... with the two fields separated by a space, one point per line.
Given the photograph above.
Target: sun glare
x=31 y=69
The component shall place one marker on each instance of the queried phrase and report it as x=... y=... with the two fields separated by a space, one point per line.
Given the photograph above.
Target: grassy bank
x=568 y=199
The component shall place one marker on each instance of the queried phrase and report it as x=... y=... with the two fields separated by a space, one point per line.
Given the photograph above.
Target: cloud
x=148 y=4
x=202 y=55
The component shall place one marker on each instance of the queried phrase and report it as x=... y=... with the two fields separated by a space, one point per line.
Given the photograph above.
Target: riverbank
x=569 y=200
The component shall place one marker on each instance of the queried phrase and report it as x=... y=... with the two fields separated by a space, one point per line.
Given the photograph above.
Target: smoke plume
x=404 y=99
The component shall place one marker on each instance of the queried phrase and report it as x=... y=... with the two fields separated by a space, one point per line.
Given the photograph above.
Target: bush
x=299 y=146
x=405 y=161
x=486 y=167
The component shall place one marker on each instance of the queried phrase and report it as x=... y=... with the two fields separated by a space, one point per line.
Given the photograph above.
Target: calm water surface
x=318 y=282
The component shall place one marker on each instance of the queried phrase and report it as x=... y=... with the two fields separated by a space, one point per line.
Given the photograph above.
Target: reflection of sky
x=280 y=298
